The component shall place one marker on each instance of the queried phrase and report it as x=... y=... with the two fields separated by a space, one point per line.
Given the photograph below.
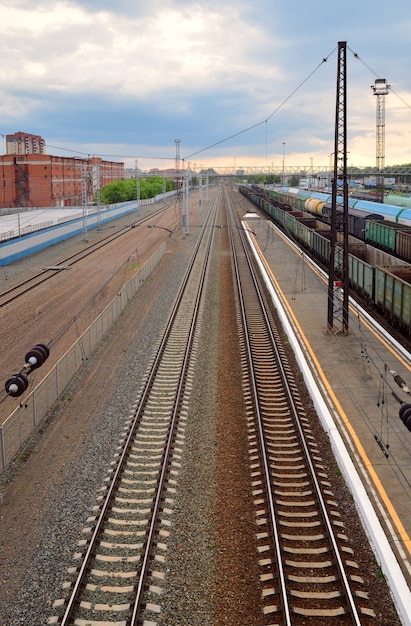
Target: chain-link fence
x=29 y=414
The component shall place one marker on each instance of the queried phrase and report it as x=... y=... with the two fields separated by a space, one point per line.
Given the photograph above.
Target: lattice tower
x=380 y=89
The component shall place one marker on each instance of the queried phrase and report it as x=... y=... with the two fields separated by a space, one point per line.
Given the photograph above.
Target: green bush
x=124 y=189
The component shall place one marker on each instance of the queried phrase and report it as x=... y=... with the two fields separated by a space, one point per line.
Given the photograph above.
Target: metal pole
x=137 y=186
x=337 y=301
x=84 y=201
x=98 y=201
x=186 y=212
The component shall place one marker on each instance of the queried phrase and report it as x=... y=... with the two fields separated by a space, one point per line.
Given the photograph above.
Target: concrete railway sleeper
x=308 y=570
x=119 y=570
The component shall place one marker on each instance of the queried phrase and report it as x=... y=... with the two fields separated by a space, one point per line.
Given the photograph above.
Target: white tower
x=380 y=89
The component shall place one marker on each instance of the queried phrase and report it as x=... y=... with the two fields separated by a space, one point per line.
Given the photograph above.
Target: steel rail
x=179 y=396
x=48 y=273
x=325 y=515
x=280 y=566
x=116 y=477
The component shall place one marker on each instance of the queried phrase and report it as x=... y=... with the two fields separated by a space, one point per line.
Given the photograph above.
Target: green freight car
x=383 y=234
x=393 y=294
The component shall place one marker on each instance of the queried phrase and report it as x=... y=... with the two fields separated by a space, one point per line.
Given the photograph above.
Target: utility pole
x=181 y=196
x=177 y=167
x=84 y=182
x=137 y=184
x=200 y=192
x=338 y=276
x=380 y=89
x=186 y=203
x=98 y=195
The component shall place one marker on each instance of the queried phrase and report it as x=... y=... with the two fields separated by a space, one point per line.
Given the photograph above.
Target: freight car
x=357 y=220
x=381 y=225
x=379 y=277
x=297 y=198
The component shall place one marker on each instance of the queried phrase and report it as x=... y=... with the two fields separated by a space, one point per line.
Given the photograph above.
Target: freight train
x=378 y=276
x=384 y=226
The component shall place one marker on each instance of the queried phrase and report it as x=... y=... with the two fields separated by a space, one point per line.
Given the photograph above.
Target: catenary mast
x=338 y=281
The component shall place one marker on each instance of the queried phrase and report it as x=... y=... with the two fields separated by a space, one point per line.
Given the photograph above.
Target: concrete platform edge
x=386 y=557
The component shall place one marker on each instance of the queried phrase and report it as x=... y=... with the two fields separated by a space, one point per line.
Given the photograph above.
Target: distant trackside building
x=32 y=178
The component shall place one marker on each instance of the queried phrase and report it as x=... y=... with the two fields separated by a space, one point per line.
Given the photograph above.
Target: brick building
x=42 y=180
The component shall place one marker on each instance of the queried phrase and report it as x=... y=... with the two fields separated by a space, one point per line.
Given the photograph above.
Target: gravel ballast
x=48 y=494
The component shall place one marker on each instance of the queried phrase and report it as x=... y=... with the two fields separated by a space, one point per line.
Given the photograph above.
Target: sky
x=237 y=83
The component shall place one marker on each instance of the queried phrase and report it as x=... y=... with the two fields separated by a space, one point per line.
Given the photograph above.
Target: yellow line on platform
x=362 y=319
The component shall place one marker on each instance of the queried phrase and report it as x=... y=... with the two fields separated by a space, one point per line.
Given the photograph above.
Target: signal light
x=36 y=356
x=17 y=384
x=405 y=415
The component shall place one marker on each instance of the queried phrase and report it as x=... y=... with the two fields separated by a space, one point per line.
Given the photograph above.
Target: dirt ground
x=57 y=312
x=27 y=488
x=27 y=491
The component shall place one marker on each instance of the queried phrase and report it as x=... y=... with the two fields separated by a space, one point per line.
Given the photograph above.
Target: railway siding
x=28 y=416
x=214 y=567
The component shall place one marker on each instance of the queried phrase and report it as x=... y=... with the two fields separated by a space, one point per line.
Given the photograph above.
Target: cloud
x=85 y=51
x=136 y=74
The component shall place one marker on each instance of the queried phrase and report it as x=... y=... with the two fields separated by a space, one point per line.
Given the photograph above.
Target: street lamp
x=283 y=181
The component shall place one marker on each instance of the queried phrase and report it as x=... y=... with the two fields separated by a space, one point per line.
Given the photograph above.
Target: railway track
x=17 y=291
x=308 y=570
x=120 y=569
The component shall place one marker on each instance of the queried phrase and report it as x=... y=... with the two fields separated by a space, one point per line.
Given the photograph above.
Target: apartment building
x=41 y=180
x=25 y=143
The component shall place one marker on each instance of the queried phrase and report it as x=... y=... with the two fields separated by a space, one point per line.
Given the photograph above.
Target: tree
x=125 y=190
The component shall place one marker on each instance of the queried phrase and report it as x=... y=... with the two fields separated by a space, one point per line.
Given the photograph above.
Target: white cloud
x=81 y=51
x=31 y=20
x=36 y=69
x=203 y=69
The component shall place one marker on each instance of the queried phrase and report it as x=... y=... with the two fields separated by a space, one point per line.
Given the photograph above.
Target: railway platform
x=355 y=378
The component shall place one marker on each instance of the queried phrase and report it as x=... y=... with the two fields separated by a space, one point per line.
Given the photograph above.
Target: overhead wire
x=91 y=154
x=240 y=132
x=357 y=56
x=119 y=271
x=385 y=391
x=245 y=130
